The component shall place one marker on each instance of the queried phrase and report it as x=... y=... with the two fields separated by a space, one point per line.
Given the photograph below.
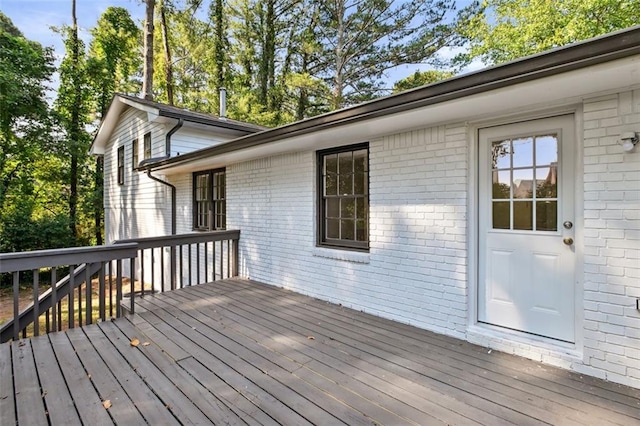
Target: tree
x=114 y=57
x=509 y=29
x=147 y=74
x=30 y=193
x=365 y=38
x=421 y=78
x=168 y=66
x=25 y=68
x=112 y=65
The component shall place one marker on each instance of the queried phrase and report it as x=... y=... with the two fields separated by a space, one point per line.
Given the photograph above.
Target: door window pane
x=523 y=152
x=546 y=182
x=546 y=150
x=501 y=154
x=523 y=183
x=523 y=215
x=547 y=216
x=501 y=184
x=501 y=215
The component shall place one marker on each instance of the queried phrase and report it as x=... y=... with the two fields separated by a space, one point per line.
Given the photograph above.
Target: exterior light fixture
x=628 y=140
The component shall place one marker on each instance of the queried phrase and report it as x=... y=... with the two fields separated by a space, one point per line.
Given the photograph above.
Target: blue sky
x=36 y=17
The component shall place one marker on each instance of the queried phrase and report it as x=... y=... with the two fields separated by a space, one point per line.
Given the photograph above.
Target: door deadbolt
x=568 y=241
x=567 y=224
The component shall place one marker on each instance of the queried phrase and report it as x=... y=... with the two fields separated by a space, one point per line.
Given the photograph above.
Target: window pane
x=523 y=152
x=360 y=161
x=500 y=158
x=333 y=207
x=523 y=183
x=523 y=215
x=345 y=162
x=501 y=184
x=331 y=163
x=546 y=182
x=347 y=231
x=359 y=183
x=501 y=218
x=361 y=208
x=361 y=230
x=331 y=184
x=546 y=150
x=547 y=216
x=332 y=227
x=346 y=184
x=348 y=207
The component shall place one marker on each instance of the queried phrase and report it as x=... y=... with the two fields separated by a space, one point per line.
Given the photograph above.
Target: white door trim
x=522 y=343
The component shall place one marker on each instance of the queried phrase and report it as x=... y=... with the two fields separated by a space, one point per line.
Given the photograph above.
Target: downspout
x=167 y=141
x=173 y=200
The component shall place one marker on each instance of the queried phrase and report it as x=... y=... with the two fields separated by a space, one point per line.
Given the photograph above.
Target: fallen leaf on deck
x=22 y=343
x=134 y=342
x=311 y=338
x=106 y=404
x=146 y=344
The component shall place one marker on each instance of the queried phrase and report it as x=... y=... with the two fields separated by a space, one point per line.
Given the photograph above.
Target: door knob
x=568 y=241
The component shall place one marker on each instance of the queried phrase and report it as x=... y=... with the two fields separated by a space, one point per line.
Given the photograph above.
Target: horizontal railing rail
x=98 y=272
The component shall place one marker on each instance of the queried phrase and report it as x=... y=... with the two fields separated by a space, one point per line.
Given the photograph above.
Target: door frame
x=483 y=333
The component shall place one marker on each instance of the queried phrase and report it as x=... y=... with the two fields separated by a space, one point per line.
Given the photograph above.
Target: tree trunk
x=74 y=125
x=147 y=81
x=338 y=79
x=219 y=43
x=168 y=66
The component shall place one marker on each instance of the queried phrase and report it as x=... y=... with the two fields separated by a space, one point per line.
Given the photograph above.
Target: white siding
x=187 y=140
x=140 y=207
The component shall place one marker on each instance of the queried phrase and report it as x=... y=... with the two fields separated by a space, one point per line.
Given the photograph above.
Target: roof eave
x=580 y=55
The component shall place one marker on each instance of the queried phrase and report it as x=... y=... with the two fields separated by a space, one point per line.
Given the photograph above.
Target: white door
x=526 y=261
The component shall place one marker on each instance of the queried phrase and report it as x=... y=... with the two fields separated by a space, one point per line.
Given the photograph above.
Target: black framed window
x=121 y=165
x=134 y=154
x=147 y=145
x=343 y=197
x=209 y=200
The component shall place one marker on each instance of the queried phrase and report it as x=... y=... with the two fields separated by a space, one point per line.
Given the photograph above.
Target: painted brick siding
x=611 y=240
x=416 y=269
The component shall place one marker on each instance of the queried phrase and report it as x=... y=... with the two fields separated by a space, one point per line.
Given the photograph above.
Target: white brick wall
x=416 y=269
x=612 y=240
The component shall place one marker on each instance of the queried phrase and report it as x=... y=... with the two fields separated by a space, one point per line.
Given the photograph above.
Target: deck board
x=28 y=397
x=239 y=352
x=54 y=389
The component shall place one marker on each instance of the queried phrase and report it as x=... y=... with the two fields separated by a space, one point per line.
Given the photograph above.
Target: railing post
x=236 y=257
x=89 y=295
x=71 y=316
x=133 y=285
x=172 y=266
x=101 y=290
x=16 y=308
x=141 y=260
x=54 y=297
x=118 y=287
x=36 y=294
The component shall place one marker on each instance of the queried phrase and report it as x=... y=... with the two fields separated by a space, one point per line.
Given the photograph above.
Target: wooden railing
x=99 y=274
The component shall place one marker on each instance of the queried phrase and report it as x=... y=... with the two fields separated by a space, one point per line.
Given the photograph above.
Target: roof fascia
x=580 y=55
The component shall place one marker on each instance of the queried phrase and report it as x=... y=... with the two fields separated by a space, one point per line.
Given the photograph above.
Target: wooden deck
x=239 y=352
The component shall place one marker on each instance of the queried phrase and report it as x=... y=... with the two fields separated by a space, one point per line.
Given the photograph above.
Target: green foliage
x=114 y=61
x=421 y=78
x=363 y=39
x=510 y=29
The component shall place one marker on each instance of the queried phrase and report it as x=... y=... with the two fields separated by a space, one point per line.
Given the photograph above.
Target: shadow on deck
x=240 y=352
